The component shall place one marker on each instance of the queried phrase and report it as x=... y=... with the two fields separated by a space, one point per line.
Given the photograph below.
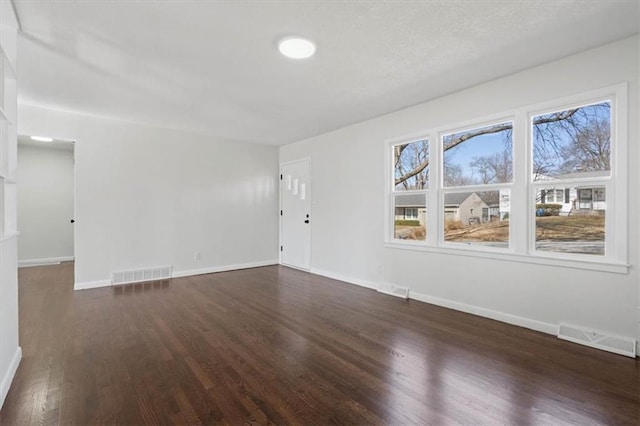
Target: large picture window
x=545 y=182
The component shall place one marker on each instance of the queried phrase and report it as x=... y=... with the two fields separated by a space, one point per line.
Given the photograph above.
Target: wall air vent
x=139 y=275
x=598 y=340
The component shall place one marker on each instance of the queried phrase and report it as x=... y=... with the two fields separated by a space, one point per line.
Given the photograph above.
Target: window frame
x=443 y=190
x=611 y=252
x=392 y=191
x=522 y=188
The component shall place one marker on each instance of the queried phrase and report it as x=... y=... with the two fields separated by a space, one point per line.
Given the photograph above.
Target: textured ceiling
x=213 y=66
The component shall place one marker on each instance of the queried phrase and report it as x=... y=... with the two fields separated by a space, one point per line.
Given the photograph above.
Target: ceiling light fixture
x=41 y=139
x=296 y=47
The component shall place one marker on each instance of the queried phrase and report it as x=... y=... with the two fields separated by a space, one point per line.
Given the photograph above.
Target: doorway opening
x=45 y=201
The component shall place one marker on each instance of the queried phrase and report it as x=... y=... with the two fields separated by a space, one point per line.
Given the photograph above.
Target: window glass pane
x=410 y=216
x=575 y=226
x=411 y=165
x=478 y=156
x=572 y=143
x=479 y=218
x=551 y=195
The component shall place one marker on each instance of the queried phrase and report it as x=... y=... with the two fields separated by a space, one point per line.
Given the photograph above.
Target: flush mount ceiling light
x=41 y=139
x=296 y=47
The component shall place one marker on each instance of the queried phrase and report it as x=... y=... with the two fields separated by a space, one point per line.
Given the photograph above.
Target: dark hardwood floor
x=276 y=345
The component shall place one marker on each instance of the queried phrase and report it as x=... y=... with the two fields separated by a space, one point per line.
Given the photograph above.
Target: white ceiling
x=213 y=66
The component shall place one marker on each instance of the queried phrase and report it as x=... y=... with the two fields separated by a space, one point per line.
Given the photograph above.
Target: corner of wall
x=5 y=384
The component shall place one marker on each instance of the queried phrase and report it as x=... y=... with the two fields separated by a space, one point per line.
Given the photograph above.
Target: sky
x=483 y=145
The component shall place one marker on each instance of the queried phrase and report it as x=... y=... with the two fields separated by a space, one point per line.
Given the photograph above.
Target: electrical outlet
x=196 y=255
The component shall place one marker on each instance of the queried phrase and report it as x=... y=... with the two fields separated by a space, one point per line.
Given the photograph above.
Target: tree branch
x=552 y=118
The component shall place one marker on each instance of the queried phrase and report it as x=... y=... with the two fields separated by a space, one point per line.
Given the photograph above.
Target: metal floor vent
x=139 y=275
x=402 y=292
x=598 y=340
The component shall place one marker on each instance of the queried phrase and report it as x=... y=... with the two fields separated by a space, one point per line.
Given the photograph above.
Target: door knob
x=306 y=221
x=72 y=221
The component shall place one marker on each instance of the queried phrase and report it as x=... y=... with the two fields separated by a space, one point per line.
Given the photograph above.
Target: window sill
x=617 y=268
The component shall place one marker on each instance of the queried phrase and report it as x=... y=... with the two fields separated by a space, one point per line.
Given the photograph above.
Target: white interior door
x=295 y=215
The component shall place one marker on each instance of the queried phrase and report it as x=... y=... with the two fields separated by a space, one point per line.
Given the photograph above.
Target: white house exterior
x=575 y=200
x=476 y=207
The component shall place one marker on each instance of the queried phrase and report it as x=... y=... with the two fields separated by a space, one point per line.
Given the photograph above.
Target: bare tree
x=412 y=165
x=406 y=169
x=496 y=168
x=483 y=169
x=454 y=176
x=572 y=140
x=589 y=150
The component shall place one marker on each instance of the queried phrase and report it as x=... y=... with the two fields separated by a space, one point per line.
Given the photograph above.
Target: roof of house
x=411 y=200
x=455 y=198
x=588 y=174
x=450 y=199
x=490 y=198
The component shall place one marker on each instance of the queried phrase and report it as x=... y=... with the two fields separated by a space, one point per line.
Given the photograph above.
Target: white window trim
x=549 y=189
x=522 y=189
x=389 y=223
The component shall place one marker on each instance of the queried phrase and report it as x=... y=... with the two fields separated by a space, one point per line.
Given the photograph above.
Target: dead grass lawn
x=551 y=228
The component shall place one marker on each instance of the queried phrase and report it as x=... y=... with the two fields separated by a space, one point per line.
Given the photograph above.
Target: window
x=572 y=147
x=539 y=182
x=478 y=156
x=553 y=196
x=411 y=213
x=409 y=197
x=477 y=173
x=475 y=218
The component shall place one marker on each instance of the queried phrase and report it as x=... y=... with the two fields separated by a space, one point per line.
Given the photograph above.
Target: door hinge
x=280 y=177
x=280 y=212
x=280 y=248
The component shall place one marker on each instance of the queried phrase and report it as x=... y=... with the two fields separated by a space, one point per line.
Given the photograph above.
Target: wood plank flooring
x=276 y=345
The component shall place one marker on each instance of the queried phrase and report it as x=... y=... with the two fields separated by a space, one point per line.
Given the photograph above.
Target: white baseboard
x=638 y=338
x=91 y=284
x=349 y=280
x=475 y=310
x=45 y=261
x=9 y=375
x=177 y=274
x=225 y=268
x=532 y=324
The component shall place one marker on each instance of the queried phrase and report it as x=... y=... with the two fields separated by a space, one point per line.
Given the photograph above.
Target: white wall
x=10 y=352
x=45 y=202
x=148 y=197
x=348 y=170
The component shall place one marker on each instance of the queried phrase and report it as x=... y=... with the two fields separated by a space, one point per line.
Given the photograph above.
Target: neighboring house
x=469 y=208
x=411 y=207
x=580 y=199
x=482 y=207
x=475 y=208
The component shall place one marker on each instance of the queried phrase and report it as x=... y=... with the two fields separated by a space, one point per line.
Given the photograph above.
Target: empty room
x=319 y=212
